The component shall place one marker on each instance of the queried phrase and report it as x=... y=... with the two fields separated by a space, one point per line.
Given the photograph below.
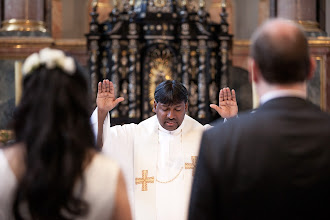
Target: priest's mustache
x=171 y=120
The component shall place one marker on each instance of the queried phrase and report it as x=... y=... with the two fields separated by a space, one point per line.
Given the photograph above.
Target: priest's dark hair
x=53 y=121
x=171 y=92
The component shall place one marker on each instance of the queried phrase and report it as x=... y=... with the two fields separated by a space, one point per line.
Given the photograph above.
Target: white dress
x=8 y=185
x=101 y=177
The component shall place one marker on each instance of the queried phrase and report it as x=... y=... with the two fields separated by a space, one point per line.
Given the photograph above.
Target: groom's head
x=171 y=104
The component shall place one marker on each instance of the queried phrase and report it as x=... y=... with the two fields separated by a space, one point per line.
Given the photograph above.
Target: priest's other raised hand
x=227 y=103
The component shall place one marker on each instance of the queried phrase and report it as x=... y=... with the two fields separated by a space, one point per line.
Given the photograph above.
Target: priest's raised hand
x=227 y=103
x=106 y=98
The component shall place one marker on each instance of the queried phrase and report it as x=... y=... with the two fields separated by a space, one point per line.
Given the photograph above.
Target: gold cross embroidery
x=144 y=180
x=191 y=165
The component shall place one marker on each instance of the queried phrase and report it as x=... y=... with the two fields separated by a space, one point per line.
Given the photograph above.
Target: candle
x=223 y=4
x=201 y=3
x=94 y=3
x=18 y=81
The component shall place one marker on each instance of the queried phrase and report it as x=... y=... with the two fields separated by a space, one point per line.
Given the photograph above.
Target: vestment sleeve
x=115 y=138
x=118 y=144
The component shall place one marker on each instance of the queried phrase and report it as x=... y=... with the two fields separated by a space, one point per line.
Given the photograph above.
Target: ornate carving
x=93 y=67
x=185 y=49
x=132 y=79
x=164 y=6
x=147 y=42
x=224 y=63
x=202 y=80
x=160 y=69
x=193 y=99
x=114 y=69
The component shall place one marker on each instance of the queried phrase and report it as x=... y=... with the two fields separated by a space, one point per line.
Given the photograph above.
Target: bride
x=53 y=170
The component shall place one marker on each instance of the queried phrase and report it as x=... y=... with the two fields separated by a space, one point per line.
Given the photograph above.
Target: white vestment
x=158 y=165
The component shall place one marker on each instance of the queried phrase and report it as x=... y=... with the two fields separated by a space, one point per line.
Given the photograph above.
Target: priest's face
x=170 y=117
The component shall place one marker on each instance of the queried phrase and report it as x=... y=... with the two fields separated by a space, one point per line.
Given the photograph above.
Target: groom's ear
x=254 y=72
x=186 y=107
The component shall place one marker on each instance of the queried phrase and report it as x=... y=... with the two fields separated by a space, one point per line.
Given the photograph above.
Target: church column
x=202 y=85
x=25 y=18
x=134 y=111
x=303 y=12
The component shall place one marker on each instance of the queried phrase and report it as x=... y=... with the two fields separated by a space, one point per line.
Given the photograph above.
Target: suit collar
x=284 y=103
x=282 y=93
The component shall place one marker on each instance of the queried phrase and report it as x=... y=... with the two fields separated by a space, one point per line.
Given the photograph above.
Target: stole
x=145 y=164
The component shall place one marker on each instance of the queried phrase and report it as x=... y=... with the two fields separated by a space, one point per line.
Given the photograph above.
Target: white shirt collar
x=176 y=131
x=282 y=93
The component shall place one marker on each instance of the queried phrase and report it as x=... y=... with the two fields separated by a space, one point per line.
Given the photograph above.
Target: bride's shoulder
x=106 y=162
x=15 y=154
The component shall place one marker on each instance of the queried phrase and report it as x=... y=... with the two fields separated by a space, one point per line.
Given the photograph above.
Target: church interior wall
x=75 y=15
x=247 y=21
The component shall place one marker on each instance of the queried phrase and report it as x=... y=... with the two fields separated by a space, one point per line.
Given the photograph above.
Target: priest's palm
x=106 y=99
x=227 y=103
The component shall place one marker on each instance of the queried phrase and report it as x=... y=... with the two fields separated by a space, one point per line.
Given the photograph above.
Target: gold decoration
x=310 y=26
x=144 y=180
x=23 y=25
x=159 y=3
x=319 y=42
x=168 y=181
x=192 y=165
x=6 y=135
x=160 y=70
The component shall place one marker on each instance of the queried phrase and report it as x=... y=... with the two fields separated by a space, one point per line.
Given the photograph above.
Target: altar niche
x=145 y=42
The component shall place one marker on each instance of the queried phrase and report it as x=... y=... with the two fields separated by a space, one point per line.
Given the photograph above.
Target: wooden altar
x=144 y=42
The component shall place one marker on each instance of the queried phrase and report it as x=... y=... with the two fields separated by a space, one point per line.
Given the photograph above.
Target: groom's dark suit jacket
x=270 y=164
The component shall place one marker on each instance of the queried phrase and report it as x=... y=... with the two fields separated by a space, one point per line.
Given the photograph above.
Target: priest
x=158 y=156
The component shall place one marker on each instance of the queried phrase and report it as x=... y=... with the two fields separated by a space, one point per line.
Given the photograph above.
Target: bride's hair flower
x=51 y=58
x=32 y=62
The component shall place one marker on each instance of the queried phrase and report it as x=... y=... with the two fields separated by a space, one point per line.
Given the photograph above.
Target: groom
x=274 y=163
